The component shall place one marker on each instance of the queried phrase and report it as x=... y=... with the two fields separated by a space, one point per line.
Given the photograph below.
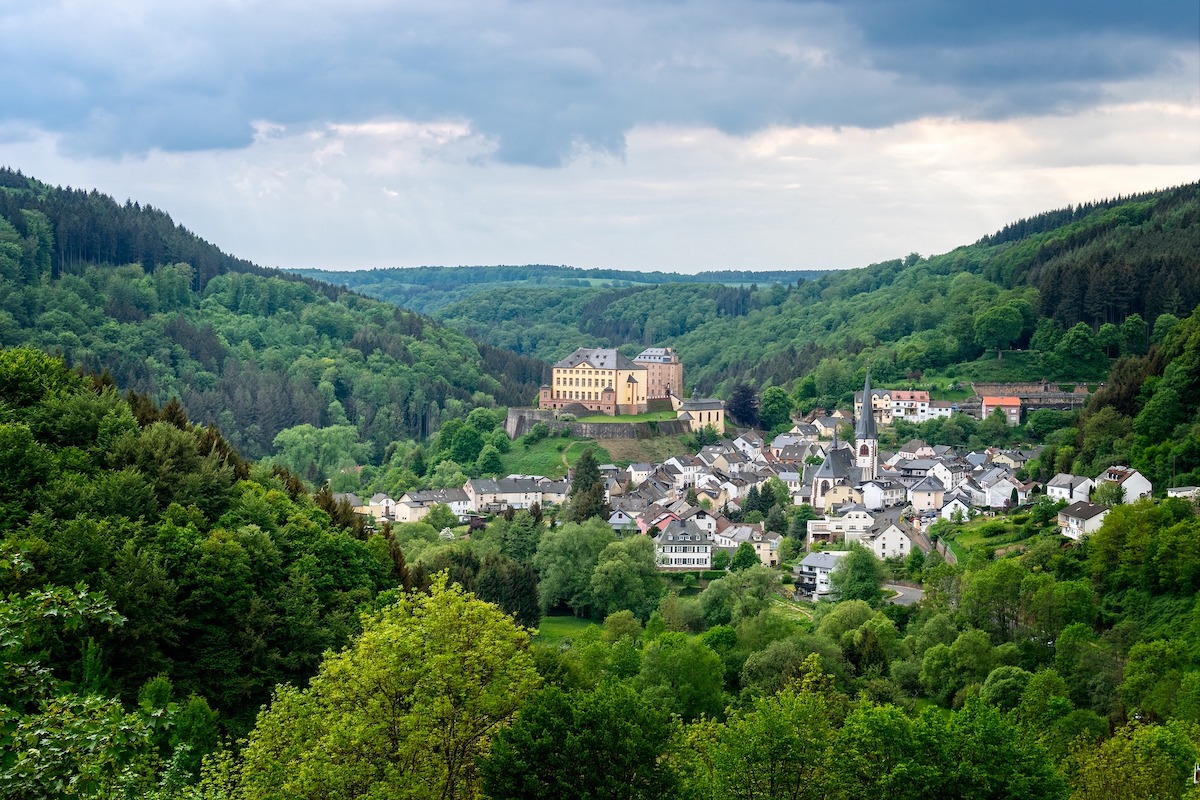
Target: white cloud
x=398 y=192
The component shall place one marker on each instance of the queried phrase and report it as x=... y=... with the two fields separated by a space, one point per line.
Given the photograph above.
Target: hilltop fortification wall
x=520 y=420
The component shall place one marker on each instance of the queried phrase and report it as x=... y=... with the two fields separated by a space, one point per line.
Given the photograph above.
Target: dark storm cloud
x=545 y=79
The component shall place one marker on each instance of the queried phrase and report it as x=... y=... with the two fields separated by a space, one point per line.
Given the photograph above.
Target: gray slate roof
x=598 y=357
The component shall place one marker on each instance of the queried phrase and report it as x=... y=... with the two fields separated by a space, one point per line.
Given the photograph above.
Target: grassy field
x=552 y=630
x=801 y=612
x=546 y=457
x=650 y=416
x=650 y=451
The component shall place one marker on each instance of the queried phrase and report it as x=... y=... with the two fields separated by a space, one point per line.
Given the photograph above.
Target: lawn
x=552 y=630
x=800 y=612
x=650 y=416
x=546 y=457
x=654 y=450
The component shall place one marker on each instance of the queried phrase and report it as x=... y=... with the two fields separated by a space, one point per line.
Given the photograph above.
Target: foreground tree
x=602 y=744
x=405 y=712
x=858 y=576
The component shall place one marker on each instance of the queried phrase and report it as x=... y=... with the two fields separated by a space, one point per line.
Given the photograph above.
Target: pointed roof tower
x=865 y=429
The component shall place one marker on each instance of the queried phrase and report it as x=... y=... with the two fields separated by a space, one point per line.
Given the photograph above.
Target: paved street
x=905 y=595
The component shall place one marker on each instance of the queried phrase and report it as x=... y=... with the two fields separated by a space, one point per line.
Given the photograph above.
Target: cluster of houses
x=882 y=501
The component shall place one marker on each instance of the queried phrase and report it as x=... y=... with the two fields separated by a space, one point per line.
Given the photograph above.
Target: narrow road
x=905 y=595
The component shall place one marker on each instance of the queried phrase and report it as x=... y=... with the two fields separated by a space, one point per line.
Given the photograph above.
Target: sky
x=677 y=135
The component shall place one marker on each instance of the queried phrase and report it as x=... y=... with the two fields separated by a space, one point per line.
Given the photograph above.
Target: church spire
x=865 y=429
x=866 y=438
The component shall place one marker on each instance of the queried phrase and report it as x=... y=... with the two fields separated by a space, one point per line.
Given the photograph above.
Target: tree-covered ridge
x=1101 y=265
x=429 y=289
x=550 y=323
x=147 y=572
x=253 y=351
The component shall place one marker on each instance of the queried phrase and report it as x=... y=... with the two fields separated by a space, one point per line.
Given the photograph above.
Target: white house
x=1068 y=487
x=812 y=573
x=683 y=546
x=887 y=539
x=620 y=521
x=957 y=504
x=1081 y=518
x=1133 y=482
x=882 y=493
x=853 y=521
x=950 y=472
x=381 y=507
x=638 y=473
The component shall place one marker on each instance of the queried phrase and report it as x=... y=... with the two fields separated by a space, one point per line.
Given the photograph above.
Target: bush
x=993 y=529
x=537 y=433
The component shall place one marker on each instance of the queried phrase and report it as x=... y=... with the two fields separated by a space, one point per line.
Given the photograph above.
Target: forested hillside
x=1069 y=289
x=429 y=289
x=123 y=289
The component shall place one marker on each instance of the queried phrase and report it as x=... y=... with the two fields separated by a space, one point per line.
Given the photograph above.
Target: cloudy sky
x=645 y=134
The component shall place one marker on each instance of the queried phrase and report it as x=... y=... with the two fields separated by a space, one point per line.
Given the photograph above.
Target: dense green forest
x=430 y=289
x=1067 y=290
x=123 y=290
x=158 y=588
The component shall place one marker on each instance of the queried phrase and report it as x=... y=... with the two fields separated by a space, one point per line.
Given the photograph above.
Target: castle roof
x=599 y=358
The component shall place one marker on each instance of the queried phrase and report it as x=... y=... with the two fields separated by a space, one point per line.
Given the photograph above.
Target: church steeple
x=866 y=437
x=865 y=429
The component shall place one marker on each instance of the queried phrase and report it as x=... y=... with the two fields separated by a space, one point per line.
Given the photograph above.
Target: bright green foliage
x=519 y=538
x=744 y=557
x=607 y=744
x=440 y=516
x=784 y=747
x=1138 y=762
x=991 y=598
x=565 y=560
x=489 y=462
x=315 y=453
x=774 y=408
x=858 y=576
x=406 y=711
x=998 y=327
x=682 y=675
x=55 y=743
x=626 y=577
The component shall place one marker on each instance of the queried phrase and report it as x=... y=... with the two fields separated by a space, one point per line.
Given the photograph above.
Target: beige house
x=881 y=406
x=700 y=412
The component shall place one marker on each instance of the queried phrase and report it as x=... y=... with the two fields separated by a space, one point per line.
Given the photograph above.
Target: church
x=837 y=479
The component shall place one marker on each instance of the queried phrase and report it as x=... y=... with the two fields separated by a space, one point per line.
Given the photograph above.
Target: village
x=855 y=494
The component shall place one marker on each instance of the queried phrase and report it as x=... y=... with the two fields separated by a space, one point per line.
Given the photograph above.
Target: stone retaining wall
x=520 y=420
